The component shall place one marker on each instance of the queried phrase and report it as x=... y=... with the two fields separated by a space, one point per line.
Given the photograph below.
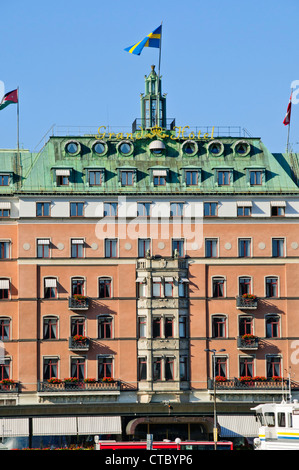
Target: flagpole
x=158 y=91
x=18 y=125
x=288 y=139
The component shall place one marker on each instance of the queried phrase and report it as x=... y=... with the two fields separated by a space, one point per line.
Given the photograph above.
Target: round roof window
x=100 y=148
x=216 y=148
x=125 y=147
x=72 y=147
x=190 y=147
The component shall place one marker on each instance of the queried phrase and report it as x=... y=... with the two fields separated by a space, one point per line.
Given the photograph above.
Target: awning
x=43 y=242
x=157 y=279
x=206 y=422
x=57 y=426
x=244 y=203
x=160 y=172
x=78 y=242
x=63 y=172
x=50 y=282
x=278 y=203
x=184 y=279
x=238 y=425
x=5 y=205
x=14 y=427
x=168 y=279
x=4 y=284
x=140 y=279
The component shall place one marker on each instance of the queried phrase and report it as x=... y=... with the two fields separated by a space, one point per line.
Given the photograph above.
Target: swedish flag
x=151 y=40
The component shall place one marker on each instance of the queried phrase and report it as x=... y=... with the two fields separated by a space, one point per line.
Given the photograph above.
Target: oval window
x=99 y=148
x=125 y=148
x=190 y=147
x=72 y=148
x=242 y=148
x=216 y=148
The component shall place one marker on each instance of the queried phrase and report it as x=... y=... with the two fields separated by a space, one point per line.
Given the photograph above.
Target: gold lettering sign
x=180 y=133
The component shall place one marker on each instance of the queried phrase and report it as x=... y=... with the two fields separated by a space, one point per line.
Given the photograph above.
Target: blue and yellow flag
x=151 y=40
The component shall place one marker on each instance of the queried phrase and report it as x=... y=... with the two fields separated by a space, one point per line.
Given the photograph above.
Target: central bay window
x=78 y=286
x=168 y=286
x=50 y=368
x=272 y=326
x=183 y=367
x=105 y=326
x=169 y=368
x=4 y=329
x=271 y=287
x=157 y=287
x=105 y=367
x=157 y=368
x=183 y=326
x=105 y=284
x=141 y=327
x=77 y=326
x=157 y=327
x=78 y=367
x=43 y=248
x=142 y=368
x=111 y=248
x=245 y=325
x=244 y=285
x=144 y=247
x=50 y=325
x=50 y=288
x=77 y=248
x=163 y=368
x=246 y=367
x=218 y=287
x=273 y=366
x=219 y=326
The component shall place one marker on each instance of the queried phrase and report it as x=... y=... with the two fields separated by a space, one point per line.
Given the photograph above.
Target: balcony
x=9 y=386
x=244 y=302
x=79 y=343
x=79 y=386
x=79 y=302
x=247 y=342
x=251 y=383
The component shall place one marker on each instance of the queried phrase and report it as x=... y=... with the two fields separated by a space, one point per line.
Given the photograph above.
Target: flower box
x=54 y=380
x=218 y=378
x=80 y=338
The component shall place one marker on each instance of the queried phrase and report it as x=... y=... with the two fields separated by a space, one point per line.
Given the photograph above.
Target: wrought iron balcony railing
x=79 y=386
x=252 y=343
x=78 y=345
x=246 y=303
x=251 y=384
x=78 y=304
x=9 y=388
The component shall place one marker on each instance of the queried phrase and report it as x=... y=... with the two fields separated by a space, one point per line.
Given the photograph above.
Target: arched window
x=50 y=288
x=105 y=287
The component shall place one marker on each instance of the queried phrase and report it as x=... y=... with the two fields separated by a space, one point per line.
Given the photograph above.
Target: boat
x=279 y=426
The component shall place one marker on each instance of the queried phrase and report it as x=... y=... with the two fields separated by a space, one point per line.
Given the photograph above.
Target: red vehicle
x=182 y=445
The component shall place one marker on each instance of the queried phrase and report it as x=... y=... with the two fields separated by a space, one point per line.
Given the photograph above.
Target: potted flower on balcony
x=108 y=380
x=6 y=383
x=249 y=297
x=54 y=380
x=275 y=378
x=80 y=338
x=79 y=298
x=220 y=379
x=90 y=380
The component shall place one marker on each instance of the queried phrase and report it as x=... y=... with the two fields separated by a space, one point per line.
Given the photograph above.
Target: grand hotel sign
x=177 y=133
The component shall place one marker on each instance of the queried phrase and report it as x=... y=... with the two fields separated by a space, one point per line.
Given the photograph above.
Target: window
x=141 y=327
x=182 y=326
x=50 y=288
x=144 y=247
x=246 y=367
x=210 y=209
x=78 y=367
x=5 y=369
x=110 y=248
x=245 y=326
x=218 y=326
x=4 y=329
x=77 y=248
x=157 y=287
x=244 y=247
x=273 y=366
x=127 y=178
x=50 y=325
x=43 y=209
x=141 y=287
x=105 y=288
x=183 y=367
x=78 y=286
x=95 y=178
x=110 y=209
x=223 y=177
x=142 y=368
x=105 y=327
x=159 y=180
x=220 y=366
x=157 y=368
x=191 y=177
x=168 y=327
x=4 y=250
x=4 y=180
x=271 y=287
x=157 y=322
x=218 y=287
x=168 y=287
x=143 y=209
x=244 y=285
x=256 y=177
x=4 y=212
x=77 y=326
x=125 y=147
x=43 y=248
x=50 y=368
x=4 y=289
x=272 y=326
x=62 y=180
x=169 y=368
x=176 y=209
x=243 y=211
x=77 y=209
x=277 y=211
x=105 y=367
x=211 y=248
x=277 y=247
x=178 y=247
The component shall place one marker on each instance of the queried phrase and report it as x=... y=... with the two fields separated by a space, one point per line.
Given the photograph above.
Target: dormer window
x=62 y=176
x=4 y=179
x=256 y=177
x=159 y=176
x=127 y=178
x=223 y=177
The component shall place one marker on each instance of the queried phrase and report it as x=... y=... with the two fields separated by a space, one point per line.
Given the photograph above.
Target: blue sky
x=224 y=63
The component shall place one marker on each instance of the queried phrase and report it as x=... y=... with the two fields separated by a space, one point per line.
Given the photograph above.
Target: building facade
x=137 y=268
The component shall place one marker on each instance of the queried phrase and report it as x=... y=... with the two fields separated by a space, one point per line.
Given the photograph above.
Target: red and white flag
x=287 y=118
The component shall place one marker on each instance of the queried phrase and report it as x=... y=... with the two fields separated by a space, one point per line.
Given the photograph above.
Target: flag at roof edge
x=287 y=118
x=9 y=98
x=151 y=40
